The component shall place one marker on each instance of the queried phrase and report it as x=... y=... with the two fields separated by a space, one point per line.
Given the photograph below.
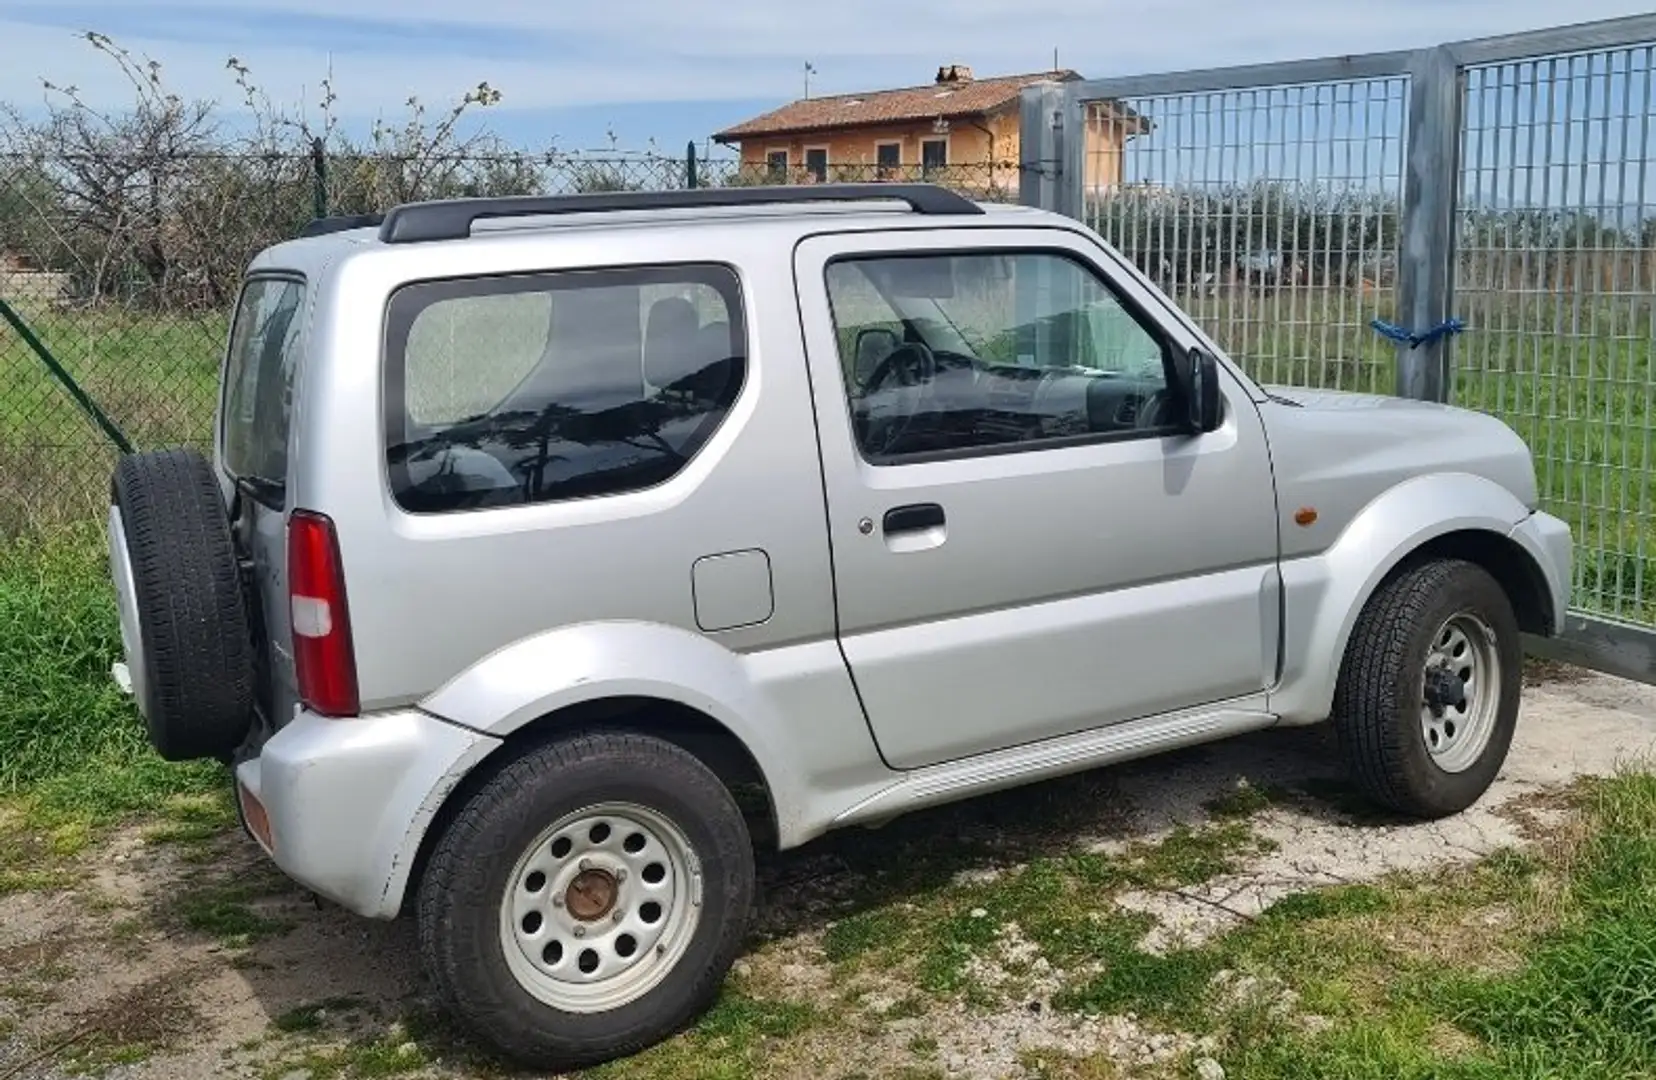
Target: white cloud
x=648 y=50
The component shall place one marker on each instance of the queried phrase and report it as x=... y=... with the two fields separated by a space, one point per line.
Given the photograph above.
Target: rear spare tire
x=184 y=620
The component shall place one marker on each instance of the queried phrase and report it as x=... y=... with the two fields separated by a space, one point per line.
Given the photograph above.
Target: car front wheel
x=1427 y=700
x=587 y=900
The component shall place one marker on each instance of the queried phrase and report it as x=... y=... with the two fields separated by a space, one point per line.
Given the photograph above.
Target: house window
x=776 y=164
x=888 y=157
x=934 y=154
x=816 y=163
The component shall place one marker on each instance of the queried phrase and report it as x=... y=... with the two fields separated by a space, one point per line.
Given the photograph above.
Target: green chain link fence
x=120 y=274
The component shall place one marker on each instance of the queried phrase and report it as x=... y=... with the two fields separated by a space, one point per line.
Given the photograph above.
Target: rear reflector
x=258 y=821
x=323 y=657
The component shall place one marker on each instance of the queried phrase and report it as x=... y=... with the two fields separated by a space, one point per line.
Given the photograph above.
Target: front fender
x=572 y=665
x=1324 y=593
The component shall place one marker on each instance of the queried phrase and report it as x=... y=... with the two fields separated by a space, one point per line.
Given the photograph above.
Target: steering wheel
x=915 y=366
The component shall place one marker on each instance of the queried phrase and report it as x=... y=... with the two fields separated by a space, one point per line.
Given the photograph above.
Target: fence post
x=319 y=178
x=1426 y=265
x=1040 y=160
x=690 y=178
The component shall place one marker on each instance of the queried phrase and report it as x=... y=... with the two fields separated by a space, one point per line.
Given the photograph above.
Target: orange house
x=957 y=130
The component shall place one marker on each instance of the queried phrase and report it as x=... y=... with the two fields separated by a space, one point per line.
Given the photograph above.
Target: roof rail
x=452 y=219
x=324 y=225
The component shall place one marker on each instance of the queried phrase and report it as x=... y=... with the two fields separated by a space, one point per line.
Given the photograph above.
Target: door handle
x=916 y=517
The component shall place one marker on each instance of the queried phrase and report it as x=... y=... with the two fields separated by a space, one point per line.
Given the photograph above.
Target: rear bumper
x=347 y=802
x=1547 y=539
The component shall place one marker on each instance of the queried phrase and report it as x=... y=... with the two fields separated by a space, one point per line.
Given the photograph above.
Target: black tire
x=196 y=647
x=1381 y=688
x=458 y=908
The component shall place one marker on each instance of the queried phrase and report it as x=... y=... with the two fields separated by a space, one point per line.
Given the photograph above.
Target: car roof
x=331 y=241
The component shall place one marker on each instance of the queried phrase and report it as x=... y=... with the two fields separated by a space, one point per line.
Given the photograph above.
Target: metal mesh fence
x=1556 y=275
x=1270 y=213
x=126 y=270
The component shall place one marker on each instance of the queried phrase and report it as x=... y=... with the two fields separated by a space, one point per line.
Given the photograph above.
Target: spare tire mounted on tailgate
x=184 y=620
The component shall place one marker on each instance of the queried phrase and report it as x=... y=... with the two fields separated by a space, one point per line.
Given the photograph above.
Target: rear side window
x=265 y=351
x=549 y=387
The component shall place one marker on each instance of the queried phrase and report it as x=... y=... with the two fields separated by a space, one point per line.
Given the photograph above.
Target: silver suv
x=538 y=531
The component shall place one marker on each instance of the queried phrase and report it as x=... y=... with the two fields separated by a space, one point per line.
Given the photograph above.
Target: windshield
x=265 y=348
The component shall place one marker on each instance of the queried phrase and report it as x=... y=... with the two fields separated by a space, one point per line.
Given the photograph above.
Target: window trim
x=770 y=165
x=306 y=303
x=1136 y=311
x=827 y=164
x=948 y=146
x=881 y=144
x=393 y=362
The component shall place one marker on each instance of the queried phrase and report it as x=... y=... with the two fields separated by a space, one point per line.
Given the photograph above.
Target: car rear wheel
x=1427 y=700
x=184 y=621
x=587 y=899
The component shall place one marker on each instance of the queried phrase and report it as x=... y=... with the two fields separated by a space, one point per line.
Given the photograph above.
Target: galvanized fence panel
x=1508 y=183
x=1268 y=206
x=1555 y=272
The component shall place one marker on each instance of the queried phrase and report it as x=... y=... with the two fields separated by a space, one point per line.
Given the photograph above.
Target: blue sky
x=674 y=70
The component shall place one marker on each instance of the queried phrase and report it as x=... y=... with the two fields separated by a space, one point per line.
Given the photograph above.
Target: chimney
x=953 y=73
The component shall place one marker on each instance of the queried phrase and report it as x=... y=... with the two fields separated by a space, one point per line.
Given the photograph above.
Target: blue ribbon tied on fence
x=1415 y=339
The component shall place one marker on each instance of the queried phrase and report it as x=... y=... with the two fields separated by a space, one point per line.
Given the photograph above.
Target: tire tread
x=197 y=640
x=1371 y=723
x=473 y=839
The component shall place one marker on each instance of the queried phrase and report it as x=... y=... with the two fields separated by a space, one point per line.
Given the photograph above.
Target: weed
x=857 y=934
x=1171 y=986
x=911 y=1007
x=728 y=1043
x=1053 y=1065
x=1192 y=856
x=1330 y=903
x=194 y=820
x=130 y=1027
x=1243 y=801
x=225 y=911
x=312 y=1016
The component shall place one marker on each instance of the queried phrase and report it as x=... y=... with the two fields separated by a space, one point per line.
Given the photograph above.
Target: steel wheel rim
x=1456 y=733
x=126 y=608
x=600 y=906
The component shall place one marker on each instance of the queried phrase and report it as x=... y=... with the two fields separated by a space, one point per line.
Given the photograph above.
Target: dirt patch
x=1589 y=727
x=198 y=961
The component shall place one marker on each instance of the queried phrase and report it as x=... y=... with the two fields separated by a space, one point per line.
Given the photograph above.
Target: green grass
x=225 y=909
x=728 y=1043
x=154 y=375
x=1576 y=1006
x=73 y=753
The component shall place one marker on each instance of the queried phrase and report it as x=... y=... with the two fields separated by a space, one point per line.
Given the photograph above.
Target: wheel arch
x=1513 y=568
x=1443 y=515
x=691 y=730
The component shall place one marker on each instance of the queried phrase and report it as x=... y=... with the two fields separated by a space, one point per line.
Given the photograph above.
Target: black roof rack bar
x=452 y=219
x=325 y=225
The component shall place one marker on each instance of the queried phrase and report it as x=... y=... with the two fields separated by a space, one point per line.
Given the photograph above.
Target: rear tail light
x=323 y=658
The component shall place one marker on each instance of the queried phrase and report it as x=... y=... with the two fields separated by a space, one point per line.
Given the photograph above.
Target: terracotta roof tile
x=907 y=104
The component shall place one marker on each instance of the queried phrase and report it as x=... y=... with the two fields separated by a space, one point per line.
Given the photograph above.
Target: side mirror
x=874 y=343
x=1200 y=379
